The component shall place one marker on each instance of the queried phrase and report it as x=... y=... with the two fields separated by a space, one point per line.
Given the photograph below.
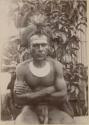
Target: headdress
x=36 y=26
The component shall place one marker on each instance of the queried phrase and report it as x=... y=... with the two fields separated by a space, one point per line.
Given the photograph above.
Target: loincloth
x=42 y=110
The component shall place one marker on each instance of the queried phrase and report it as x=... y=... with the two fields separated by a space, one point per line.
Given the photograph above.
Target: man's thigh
x=57 y=116
x=27 y=116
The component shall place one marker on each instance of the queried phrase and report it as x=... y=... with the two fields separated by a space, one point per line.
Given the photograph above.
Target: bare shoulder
x=60 y=82
x=57 y=65
x=22 y=66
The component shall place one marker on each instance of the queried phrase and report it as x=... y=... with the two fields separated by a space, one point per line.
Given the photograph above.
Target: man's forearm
x=56 y=97
x=40 y=93
x=28 y=97
x=61 y=95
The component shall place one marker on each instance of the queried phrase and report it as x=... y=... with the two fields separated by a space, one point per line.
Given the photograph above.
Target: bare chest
x=41 y=78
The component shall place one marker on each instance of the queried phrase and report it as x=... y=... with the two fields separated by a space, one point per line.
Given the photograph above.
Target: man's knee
x=25 y=109
x=57 y=116
x=27 y=116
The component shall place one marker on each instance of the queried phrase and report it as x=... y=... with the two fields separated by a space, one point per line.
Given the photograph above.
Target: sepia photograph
x=43 y=62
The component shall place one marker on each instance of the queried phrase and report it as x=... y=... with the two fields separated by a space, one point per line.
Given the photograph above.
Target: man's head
x=39 y=46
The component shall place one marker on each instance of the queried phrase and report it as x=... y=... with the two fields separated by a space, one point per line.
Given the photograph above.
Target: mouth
x=40 y=56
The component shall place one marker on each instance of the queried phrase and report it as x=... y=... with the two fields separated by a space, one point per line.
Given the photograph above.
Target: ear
x=49 y=47
x=48 y=50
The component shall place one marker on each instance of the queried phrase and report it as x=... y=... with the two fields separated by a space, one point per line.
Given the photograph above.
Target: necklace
x=40 y=72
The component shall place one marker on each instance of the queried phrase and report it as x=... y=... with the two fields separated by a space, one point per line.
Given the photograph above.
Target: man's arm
x=60 y=84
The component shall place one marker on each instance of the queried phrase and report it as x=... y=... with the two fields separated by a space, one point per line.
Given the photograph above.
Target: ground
x=78 y=120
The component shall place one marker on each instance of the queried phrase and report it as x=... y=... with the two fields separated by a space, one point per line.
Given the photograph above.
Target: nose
x=40 y=47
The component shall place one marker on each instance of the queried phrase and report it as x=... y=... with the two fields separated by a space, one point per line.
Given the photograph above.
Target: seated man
x=40 y=87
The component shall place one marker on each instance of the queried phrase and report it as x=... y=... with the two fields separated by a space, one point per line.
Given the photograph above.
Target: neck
x=39 y=63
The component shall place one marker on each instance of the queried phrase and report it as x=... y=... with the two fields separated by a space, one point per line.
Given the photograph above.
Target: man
x=40 y=87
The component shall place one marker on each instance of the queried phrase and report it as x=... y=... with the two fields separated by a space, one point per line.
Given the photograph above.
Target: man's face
x=39 y=47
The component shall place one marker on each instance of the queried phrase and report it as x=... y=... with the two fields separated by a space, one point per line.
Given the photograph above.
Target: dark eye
x=38 y=45
x=35 y=45
x=44 y=45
